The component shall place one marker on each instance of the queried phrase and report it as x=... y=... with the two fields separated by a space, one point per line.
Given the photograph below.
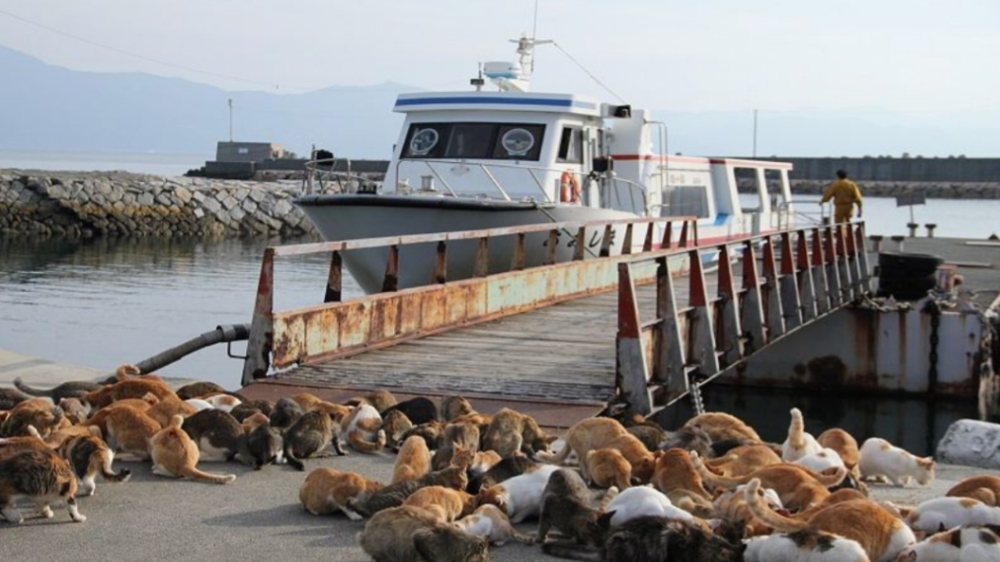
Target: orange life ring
x=569 y=188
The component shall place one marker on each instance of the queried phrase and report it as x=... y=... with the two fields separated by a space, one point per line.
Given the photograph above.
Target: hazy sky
x=914 y=56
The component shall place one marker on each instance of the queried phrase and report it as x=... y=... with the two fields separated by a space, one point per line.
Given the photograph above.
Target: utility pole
x=230 y=119
x=755 y=133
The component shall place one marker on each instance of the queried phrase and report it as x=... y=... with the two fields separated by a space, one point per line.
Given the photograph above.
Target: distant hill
x=46 y=107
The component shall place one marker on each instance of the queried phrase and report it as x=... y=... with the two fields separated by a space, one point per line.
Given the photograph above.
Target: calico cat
x=447 y=504
x=968 y=544
x=512 y=431
x=10 y=446
x=985 y=488
x=721 y=426
x=40 y=476
x=938 y=514
x=464 y=435
x=519 y=497
x=198 y=389
x=412 y=534
x=327 y=491
x=743 y=460
x=504 y=470
x=44 y=419
x=286 y=412
x=845 y=445
x=799 y=443
x=413 y=460
x=89 y=456
x=880 y=458
x=362 y=429
x=310 y=435
x=454 y=406
x=643 y=501
x=880 y=534
x=690 y=439
x=394 y=495
x=798 y=487
x=607 y=468
x=70 y=389
x=218 y=435
x=262 y=445
x=488 y=522
x=395 y=424
x=600 y=433
x=566 y=508
x=804 y=546
x=418 y=410
x=224 y=402
x=653 y=539
x=175 y=455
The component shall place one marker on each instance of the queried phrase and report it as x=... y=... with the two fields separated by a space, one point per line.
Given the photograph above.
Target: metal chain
x=696 y=399
x=932 y=369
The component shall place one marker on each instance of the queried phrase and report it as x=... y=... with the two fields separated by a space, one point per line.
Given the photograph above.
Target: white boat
x=506 y=156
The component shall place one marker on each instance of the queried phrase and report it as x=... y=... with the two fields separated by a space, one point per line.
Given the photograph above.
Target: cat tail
x=573 y=551
x=243 y=450
x=103 y=459
x=195 y=474
x=557 y=458
x=358 y=505
x=769 y=517
x=357 y=441
x=830 y=480
x=796 y=429
x=290 y=457
x=30 y=389
x=716 y=480
x=125 y=371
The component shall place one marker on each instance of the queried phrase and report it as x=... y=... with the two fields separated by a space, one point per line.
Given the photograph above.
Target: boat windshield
x=474 y=141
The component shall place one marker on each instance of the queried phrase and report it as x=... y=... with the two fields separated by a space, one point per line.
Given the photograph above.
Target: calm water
x=163 y=164
x=104 y=302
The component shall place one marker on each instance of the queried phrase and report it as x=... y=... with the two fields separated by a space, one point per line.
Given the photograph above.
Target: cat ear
x=605 y=519
x=550 y=439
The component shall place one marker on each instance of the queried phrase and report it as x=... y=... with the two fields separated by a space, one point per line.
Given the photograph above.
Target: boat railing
x=322 y=174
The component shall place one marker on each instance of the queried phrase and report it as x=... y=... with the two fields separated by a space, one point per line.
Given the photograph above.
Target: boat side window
x=474 y=141
x=519 y=142
x=571 y=146
x=426 y=140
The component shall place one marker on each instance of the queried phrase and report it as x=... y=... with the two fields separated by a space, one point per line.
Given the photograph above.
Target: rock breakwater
x=126 y=204
x=930 y=190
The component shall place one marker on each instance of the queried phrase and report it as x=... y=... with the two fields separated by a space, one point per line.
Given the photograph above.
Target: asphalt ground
x=257 y=517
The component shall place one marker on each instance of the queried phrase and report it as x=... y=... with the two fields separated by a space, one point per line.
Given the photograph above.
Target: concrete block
x=971 y=443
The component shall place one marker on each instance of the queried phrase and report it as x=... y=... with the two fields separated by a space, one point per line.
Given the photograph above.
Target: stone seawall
x=125 y=204
x=931 y=190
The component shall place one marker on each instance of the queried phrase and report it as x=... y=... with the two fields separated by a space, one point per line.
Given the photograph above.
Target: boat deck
x=978 y=262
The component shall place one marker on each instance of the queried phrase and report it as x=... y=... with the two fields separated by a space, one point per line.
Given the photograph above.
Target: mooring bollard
x=930 y=229
x=876 y=242
x=913 y=229
x=899 y=241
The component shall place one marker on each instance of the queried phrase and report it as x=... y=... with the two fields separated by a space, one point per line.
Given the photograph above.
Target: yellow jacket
x=843 y=193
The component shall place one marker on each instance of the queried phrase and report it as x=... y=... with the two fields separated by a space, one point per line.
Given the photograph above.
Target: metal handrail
x=314 y=171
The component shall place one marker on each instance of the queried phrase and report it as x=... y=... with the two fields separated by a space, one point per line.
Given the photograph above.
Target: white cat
x=223 y=402
x=881 y=458
x=969 y=544
x=489 y=522
x=640 y=501
x=520 y=497
x=362 y=429
x=824 y=459
x=945 y=513
x=803 y=546
x=799 y=443
x=199 y=404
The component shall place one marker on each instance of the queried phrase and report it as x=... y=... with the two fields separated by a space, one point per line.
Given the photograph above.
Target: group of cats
x=712 y=490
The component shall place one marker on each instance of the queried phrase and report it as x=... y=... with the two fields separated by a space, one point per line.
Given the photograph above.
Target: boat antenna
x=587 y=72
x=534 y=32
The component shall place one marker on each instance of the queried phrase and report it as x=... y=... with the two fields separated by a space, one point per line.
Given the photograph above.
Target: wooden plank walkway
x=561 y=353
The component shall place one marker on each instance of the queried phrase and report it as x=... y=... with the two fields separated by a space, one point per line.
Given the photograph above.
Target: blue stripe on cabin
x=494 y=100
x=720 y=219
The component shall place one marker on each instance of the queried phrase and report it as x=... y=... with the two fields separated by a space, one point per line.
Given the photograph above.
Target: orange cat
x=798 y=487
x=984 y=488
x=175 y=455
x=483 y=461
x=327 y=491
x=881 y=535
x=675 y=471
x=164 y=410
x=607 y=468
x=126 y=429
x=253 y=422
x=10 y=446
x=446 y=504
x=845 y=445
x=722 y=427
x=743 y=460
x=601 y=433
x=413 y=460
x=129 y=388
x=43 y=418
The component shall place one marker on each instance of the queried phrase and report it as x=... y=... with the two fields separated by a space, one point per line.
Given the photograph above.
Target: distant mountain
x=46 y=107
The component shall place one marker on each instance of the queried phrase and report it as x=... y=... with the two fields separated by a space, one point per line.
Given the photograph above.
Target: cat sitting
x=879 y=458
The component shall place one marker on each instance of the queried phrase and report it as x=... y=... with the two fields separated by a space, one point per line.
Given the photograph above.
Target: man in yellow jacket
x=845 y=195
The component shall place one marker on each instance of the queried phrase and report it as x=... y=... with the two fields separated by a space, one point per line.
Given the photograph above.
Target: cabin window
x=474 y=141
x=688 y=200
x=571 y=145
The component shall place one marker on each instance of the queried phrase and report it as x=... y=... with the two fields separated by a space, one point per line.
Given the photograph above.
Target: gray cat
x=70 y=389
x=566 y=508
x=244 y=410
x=409 y=533
x=262 y=446
x=308 y=436
x=286 y=412
x=217 y=433
x=394 y=495
x=465 y=435
x=10 y=397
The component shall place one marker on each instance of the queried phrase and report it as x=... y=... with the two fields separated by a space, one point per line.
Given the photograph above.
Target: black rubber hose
x=221 y=334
